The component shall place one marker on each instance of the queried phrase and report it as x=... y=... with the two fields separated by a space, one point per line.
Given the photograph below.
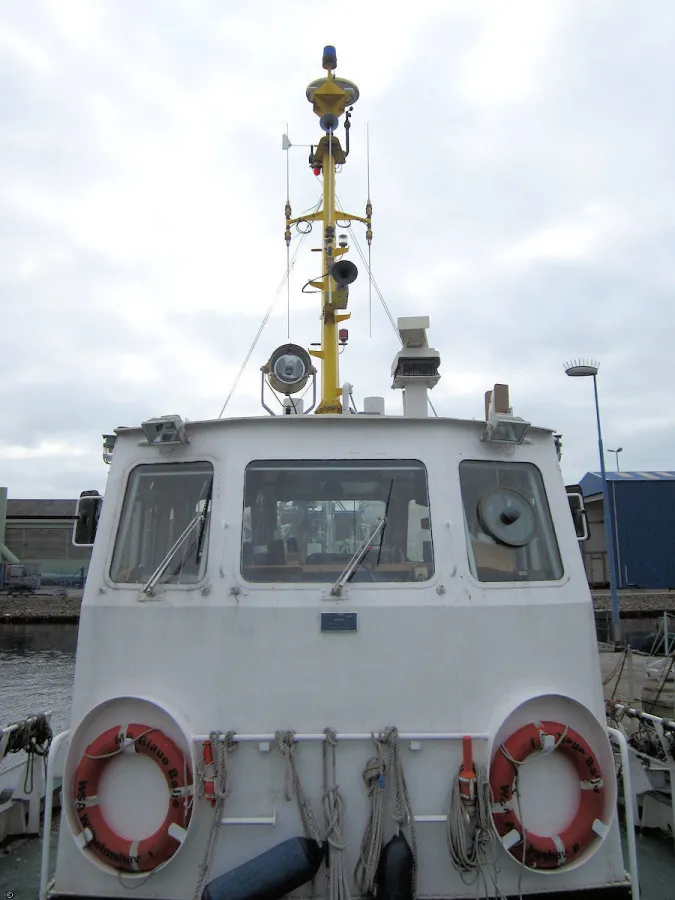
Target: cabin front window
x=509 y=531
x=164 y=523
x=306 y=520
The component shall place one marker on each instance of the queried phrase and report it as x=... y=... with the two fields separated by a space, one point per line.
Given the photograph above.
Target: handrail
x=8 y=729
x=620 y=739
x=403 y=736
x=16 y=765
x=47 y=821
x=632 y=713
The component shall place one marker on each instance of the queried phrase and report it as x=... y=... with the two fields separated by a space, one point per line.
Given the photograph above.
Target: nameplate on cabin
x=342 y=621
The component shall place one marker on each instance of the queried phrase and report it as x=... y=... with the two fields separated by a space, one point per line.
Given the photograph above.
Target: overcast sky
x=522 y=158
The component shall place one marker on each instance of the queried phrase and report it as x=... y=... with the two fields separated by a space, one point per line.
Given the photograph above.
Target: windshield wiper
x=202 y=527
x=149 y=588
x=350 y=568
x=386 y=514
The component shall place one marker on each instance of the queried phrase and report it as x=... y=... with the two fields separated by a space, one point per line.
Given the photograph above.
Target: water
x=37 y=665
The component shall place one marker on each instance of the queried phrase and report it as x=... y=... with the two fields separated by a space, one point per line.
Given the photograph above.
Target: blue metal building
x=642 y=505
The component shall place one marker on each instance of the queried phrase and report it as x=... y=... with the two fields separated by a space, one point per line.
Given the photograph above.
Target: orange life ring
x=554 y=851
x=97 y=836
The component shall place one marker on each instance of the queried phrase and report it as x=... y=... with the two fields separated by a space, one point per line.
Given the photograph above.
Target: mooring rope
x=285 y=741
x=371 y=844
x=376 y=775
x=222 y=746
x=401 y=808
x=32 y=736
x=333 y=808
x=470 y=836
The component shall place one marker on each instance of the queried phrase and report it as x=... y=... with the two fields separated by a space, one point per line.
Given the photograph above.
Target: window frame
x=548 y=532
x=326 y=465
x=125 y=519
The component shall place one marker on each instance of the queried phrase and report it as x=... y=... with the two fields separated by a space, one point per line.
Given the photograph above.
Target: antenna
x=287 y=145
x=368 y=156
x=370 y=268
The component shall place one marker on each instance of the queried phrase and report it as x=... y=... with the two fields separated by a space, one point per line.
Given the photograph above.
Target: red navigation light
x=343 y=335
x=316 y=170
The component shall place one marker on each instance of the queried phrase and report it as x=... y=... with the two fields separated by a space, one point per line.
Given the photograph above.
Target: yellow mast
x=330 y=97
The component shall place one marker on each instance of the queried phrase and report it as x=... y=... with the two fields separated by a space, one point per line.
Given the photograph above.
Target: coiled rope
x=32 y=736
x=470 y=836
x=333 y=809
x=222 y=744
x=380 y=775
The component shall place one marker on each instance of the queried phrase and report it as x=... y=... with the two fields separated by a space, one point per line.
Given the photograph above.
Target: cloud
x=521 y=176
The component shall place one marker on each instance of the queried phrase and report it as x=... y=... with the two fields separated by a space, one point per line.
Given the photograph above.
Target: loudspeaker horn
x=344 y=272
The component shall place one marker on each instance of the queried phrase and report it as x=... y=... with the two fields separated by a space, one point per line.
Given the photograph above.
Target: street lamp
x=616 y=453
x=583 y=368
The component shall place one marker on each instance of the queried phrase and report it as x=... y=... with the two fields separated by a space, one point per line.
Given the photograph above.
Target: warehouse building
x=642 y=506
x=40 y=532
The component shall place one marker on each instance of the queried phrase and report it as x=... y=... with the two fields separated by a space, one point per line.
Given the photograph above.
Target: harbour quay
x=54 y=606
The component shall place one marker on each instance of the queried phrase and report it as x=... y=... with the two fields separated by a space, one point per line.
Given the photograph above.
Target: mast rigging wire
x=370 y=282
x=371 y=278
x=265 y=319
x=329 y=211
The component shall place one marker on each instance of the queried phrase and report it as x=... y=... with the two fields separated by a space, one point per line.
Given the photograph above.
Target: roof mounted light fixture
x=165 y=431
x=287 y=371
x=503 y=429
x=289 y=368
x=109 y=441
x=502 y=426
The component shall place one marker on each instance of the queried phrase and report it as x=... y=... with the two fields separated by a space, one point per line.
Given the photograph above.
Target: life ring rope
x=125 y=743
x=547 y=746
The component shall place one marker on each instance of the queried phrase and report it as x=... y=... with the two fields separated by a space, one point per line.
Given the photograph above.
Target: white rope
x=517 y=766
x=401 y=809
x=375 y=775
x=333 y=808
x=517 y=763
x=222 y=745
x=371 y=844
x=285 y=741
x=471 y=838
